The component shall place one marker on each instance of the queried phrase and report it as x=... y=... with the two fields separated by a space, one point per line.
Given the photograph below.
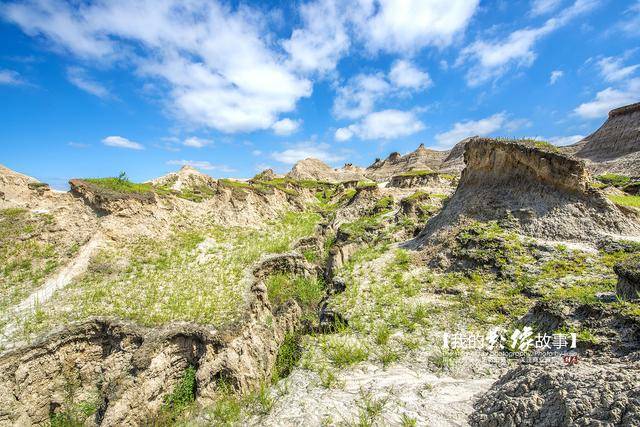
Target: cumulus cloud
x=613 y=69
x=201 y=164
x=358 y=97
x=555 y=76
x=120 y=142
x=409 y=25
x=565 y=140
x=286 y=127
x=220 y=71
x=318 y=45
x=10 y=77
x=386 y=124
x=303 y=150
x=609 y=99
x=79 y=78
x=404 y=74
x=543 y=7
x=196 y=142
x=490 y=59
x=482 y=127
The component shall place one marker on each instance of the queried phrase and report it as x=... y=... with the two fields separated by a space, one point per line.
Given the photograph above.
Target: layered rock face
x=130 y=369
x=628 y=286
x=319 y=171
x=615 y=147
x=420 y=159
x=545 y=194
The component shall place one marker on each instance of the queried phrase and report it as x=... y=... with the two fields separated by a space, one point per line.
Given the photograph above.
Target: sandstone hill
x=544 y=193
x=317 y=170
x=422 y=159
x=186 y=177
x=615 y=147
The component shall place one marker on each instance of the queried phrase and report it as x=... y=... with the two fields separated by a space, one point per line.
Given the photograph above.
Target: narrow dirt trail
x=62 y=278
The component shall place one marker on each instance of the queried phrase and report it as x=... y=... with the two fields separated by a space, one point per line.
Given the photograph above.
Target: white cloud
x=565 y=140
x=321 y=41
x=286 y=127
x=343 y=134
x=555 y=76
x=409 y=25
x=609 y=99
x=631 y=25
x=201 y=164
x=305 y=150
x=79 y=78
x=405 y=75
x=221 y=70
x=256 y=152
x=386 y=124
x=543 y=7
x=613 y=69
x=118 y=141
x=196 y=142
x=491 y=59
x=462 y=130
x=358 y=97
x=10 y=77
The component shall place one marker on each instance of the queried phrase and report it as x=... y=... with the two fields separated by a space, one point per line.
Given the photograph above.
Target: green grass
x=306 y=291
x=155 y=281
x=546 y=146
x=614 y=180
x=417 y=172
x=343 y=353
x=121 y=185
x=289 y=355
x=633 y=201
x=182 y=396
x=30 y=251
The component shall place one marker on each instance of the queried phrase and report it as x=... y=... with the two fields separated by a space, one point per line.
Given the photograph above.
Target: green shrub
x=183 y=395
x=289 y=355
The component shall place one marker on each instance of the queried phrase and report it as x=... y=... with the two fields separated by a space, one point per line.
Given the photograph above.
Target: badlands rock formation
x=315 y=169
x=133 y=369
x=615 y=147
x=548 y=195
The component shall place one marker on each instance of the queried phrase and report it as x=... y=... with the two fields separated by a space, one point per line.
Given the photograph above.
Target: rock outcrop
x=129 y=370
x=615 y=147
x=396 y=164
x=546 y=194
x=317 y=170
x=628 y=271
x=557 y=395
x=106 y=201
x=187 y=178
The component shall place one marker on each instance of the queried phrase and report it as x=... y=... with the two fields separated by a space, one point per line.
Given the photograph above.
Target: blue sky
x=92 y=88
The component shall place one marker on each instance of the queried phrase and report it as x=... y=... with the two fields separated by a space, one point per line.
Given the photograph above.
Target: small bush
x=183 y=395
x=344 y=354
x=288 y=357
